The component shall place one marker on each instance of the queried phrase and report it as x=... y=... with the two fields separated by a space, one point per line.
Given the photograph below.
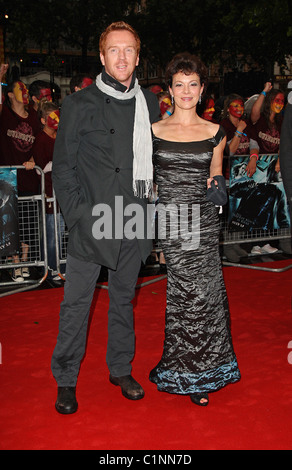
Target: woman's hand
x=241 y=126
x=209 y=181
x=268 y=86
x=3 y=70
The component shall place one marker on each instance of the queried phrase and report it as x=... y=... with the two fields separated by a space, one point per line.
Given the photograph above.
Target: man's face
x=120 y=56
x=21 y=93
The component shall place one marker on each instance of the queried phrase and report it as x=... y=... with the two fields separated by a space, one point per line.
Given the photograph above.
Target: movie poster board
x=9 y=226
x=257 y=202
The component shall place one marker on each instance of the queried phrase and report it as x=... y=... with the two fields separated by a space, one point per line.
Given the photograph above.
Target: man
x=39 y=90
x=286 y=153
x=103 y=151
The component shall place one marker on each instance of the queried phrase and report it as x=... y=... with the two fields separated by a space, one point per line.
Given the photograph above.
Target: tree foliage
x=214 y=29
x=258 y=29
x=78 y=23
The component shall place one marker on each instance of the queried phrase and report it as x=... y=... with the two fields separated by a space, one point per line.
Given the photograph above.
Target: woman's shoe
x=17 y=275
x=201 y=399
x=25 y=272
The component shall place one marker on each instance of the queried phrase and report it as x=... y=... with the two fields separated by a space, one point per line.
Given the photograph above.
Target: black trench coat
x=92 y=164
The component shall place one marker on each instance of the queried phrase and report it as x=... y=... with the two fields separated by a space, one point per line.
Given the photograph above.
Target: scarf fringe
x=143 y=188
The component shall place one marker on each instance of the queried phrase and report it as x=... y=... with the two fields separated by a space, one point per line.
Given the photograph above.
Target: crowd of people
x=254 y=133
x=253 y=128
x=104 y=145
x=28 y=126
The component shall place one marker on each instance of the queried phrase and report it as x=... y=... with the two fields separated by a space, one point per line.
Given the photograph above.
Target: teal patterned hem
x=186 y=384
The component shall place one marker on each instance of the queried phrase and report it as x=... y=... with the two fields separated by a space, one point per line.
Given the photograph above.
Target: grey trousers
x=79 y=288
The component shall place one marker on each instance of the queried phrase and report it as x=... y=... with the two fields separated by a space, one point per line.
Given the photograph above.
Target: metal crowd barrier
x=32 y=223
x=254 y=236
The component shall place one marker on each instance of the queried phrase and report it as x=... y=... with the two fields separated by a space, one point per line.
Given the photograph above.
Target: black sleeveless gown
x=198 y=354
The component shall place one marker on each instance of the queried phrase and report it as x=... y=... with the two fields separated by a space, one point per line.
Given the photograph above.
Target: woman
x=198 y=355
x=240 y=141
x=239 y=132
x=267 y=117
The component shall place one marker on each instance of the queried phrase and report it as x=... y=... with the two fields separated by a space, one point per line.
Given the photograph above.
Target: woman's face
x=21 y=93
x=236 y=108
x=278 y=103
x=186 y=90
x=53 y=119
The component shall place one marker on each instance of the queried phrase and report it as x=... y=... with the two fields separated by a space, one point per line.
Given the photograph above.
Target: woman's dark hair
x=9 y=89
x=271 y=95
x=187 y=64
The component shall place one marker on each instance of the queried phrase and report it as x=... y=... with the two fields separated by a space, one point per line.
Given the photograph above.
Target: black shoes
x=130 y=388
x=66 y=403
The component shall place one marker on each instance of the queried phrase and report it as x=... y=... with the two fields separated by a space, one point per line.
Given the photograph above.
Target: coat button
x=112 y=131
x=108 y=101
x=117 y=170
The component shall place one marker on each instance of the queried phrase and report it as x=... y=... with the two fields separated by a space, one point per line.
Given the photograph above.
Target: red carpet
x=255 y=413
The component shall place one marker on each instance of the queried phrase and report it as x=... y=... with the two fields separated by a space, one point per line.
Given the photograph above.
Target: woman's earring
x=200 y=99
x=172 y=100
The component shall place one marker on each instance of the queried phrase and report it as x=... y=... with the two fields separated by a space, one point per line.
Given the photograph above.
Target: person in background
x=166 y=109
x=286 y=164
x=18 y=129
x=165 y=104
x=266 y=116
x=207 y=109
x=38 y=90
x=42 y=153
x=239 y=142
x=164 y=101
x=80 y=81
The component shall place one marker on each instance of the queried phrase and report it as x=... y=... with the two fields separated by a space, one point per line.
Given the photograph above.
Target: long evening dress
x=198 y=354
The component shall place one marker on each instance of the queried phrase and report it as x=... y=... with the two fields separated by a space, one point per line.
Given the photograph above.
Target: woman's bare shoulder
x=211 y=127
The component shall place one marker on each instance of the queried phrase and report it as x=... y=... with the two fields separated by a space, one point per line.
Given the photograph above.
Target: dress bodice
x=182 y=168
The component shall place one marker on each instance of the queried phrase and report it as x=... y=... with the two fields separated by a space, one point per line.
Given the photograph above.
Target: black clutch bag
x=218 y=193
